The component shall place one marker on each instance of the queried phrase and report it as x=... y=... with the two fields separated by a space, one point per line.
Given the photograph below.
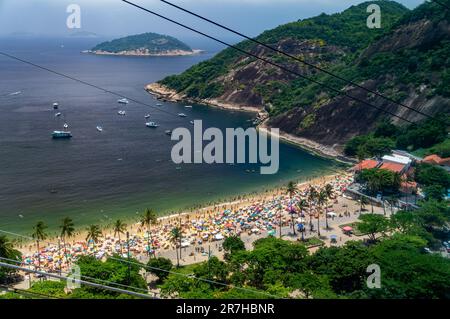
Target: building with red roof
x=393 y=167
x=366 y=164
x=437 y=160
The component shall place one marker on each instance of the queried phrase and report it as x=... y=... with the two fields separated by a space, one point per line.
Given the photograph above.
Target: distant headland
x=146 y=44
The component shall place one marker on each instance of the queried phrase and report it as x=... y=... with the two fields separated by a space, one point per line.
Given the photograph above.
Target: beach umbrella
x=347 y=228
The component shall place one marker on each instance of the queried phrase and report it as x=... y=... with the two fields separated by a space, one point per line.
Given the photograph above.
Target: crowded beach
x=203 y=231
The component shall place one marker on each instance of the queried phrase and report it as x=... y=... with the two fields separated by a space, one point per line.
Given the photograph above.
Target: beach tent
x=331 y=214
x=219 y=236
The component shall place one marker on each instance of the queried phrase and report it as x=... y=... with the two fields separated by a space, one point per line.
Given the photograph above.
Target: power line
x=297 y=59
x=86 y=277
x=84 y=282
x=84 y=82
x=154 y=268
x=269 y=62
x=200 y=279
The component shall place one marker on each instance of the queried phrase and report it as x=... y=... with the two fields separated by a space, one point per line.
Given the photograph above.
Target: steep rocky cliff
x=406 y=60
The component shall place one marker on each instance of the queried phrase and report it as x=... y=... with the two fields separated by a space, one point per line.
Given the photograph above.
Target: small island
x=146 y=44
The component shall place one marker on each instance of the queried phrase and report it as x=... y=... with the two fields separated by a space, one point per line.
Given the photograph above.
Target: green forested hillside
x=406 y=60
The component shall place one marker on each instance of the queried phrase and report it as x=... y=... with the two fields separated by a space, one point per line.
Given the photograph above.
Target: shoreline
x=162 y=92
x=246 y=199
x=140 y=53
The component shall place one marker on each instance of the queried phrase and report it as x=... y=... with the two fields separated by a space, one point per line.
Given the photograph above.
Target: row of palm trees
x=320 y=197
x=93 y=234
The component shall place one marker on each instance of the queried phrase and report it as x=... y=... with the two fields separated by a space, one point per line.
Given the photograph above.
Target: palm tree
x=328 y=190
x=363 y=202
x=149 y=219
x=119 y=228
x=291 y=192
x=321 y=200
x=93 y=233
x=175 y=236
x=6 y=247
x=67 y=231
x=312 y=195
x=38 y=235
x=301 y=206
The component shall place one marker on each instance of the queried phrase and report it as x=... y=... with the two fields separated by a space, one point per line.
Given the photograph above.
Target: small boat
x=168 y=132
x=159 y=104
x=188 y=106
x=151 y=124
x=147 y=116
x=66 y=126
x=192 y=122
x=122 y=112
x=58 y=114
x=55 y=106
x=61 y=134
x=182 y=115
x=15 y=93
x=99 y=128
x=123 y=101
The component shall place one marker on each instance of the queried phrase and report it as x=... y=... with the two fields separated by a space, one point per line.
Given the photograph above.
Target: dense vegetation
x=346 y=30
x=7 y=251
x=429 y=134
x=277 y=268
x=407 y=68
x=155 y=43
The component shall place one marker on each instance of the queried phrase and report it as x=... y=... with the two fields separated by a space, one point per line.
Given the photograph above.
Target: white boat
x=159 y=104
x=147 y=116
x=99 y=128
x=168 y=132
x=192 y=122
x=66 y=125
x=151 y=124
x=121 y=112
x=58 y=114
x=182 y=115
x=61 y=134
x=123 y=101
x=188 y=106
x=55 y=105
x=16 y=93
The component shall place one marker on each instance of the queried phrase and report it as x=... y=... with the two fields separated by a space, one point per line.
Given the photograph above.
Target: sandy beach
x=204 y=230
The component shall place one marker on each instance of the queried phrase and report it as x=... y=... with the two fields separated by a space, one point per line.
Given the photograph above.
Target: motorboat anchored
x=151 y=124
x=121 y=112
x=123 y=101
x=61 y=134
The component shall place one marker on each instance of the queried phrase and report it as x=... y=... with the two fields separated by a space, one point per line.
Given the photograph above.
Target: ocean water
x=97 y=177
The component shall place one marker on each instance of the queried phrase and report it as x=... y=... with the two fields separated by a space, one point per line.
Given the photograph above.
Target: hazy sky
x=115 y=18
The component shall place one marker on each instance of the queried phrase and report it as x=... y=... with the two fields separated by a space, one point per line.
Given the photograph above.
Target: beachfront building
x=398 y=162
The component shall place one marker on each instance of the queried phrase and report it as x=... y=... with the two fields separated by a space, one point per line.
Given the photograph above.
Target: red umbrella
x=347 y=228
